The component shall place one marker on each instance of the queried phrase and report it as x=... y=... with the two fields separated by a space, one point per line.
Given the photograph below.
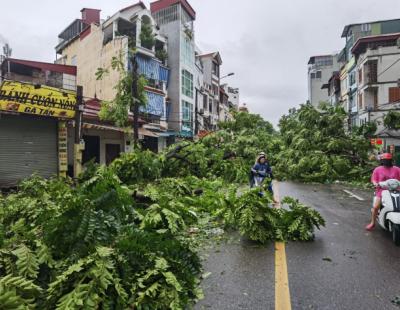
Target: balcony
x=72 y=31
x=53 y=75
x=371 y=72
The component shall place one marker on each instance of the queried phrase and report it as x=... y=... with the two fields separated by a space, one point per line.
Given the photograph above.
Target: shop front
x=33 y=134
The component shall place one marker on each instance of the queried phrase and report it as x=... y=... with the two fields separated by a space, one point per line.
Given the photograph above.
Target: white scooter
x=389 y=215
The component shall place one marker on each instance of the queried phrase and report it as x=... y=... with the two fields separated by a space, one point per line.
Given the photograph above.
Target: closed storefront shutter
x=27 y=145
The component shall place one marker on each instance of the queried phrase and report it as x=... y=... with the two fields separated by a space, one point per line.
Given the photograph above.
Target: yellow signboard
x=37 y=99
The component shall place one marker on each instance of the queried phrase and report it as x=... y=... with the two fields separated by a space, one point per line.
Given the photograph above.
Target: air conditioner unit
x=201 y=111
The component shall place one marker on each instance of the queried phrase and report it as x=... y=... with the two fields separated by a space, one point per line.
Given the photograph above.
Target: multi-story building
x=334 y=89
x=90 y=43
x=211 y=78
x=234 y=96
x=224 y=110
x=320 y=69
x=175 y=19
x=232 y=102
x=201 y=97
x=377 y=67
x=352 y=33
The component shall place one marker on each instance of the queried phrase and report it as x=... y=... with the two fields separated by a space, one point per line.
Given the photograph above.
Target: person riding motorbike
x=382 y=173
x=261 y=169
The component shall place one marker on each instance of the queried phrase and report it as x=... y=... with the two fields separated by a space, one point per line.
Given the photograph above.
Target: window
x=215 y=68
x=73 y=60
x=167 y=15
x=187 y=83
x=318 y=74
x=210 y=105
x=360 y=77
x=365 y=27
x=185 y=18
x=215 y=89
x=360 y=101
x=394 y=94
x=186 y=112
x=312 y=75
x=187 y=50
x=352 y=78
x=324 y=61
x=205 y=102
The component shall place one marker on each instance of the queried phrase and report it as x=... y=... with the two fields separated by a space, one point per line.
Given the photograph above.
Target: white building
x=211 y=64
x=233 y=99
x=234 y=96
x=175 y=20
x=320 y=70
x=378 y=73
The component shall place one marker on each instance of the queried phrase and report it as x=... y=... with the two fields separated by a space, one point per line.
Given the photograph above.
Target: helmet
x=386 y=156
x=261 y=154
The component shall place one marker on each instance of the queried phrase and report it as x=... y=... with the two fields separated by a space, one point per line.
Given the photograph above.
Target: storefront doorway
x=92 y=149
x=112 y=152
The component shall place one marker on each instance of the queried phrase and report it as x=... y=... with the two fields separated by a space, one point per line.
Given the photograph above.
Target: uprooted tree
x=126 y=236
x=317 y=148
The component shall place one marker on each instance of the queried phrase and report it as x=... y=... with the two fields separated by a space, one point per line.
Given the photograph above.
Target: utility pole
x=78 y=145
x=135 y=101
x=196 y=112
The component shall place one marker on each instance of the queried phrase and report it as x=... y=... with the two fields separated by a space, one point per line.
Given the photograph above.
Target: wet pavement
x=344 y=268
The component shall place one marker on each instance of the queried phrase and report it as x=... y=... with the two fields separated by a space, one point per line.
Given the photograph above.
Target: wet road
x=344 y=268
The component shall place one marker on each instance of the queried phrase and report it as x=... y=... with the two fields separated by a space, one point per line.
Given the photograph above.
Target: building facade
x=211 y=80
x=367 y=84
x=333 y=88
x=90 y=43
x=37 y=101
x=320 y=69
x=378 y=67
x=175 y=20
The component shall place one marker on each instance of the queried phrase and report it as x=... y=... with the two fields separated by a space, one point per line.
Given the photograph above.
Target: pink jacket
x=382 y=174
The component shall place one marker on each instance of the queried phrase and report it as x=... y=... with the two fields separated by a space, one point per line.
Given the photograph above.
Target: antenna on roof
x=7 y=50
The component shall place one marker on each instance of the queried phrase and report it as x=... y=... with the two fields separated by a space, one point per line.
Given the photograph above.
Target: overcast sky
x=267 y=43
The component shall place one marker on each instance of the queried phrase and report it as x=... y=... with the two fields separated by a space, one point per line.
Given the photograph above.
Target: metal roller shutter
x=27 y=145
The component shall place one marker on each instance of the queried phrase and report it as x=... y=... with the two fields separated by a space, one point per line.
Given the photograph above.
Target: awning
x=152 y=69
x=105 y=127
x=148 y=133
x=166 y=134
x=155 y=104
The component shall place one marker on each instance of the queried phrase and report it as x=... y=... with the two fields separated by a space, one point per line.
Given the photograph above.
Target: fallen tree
x=316 y=147
x=125 y=236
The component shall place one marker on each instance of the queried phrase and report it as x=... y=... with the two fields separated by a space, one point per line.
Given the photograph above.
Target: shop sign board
x=37 y=99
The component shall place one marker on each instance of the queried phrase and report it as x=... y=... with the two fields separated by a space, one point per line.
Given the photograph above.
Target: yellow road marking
x=282 y=292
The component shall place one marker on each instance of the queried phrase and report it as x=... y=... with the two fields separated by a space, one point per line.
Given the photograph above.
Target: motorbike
x=389 y=215
x=258 y=178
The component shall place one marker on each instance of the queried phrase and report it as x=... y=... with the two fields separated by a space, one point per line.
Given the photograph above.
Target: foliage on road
x=317 y=148
x=96 y=245
x=259 y=221
x=127 y=236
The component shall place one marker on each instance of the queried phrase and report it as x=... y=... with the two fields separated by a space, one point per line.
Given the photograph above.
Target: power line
x=389 y=67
